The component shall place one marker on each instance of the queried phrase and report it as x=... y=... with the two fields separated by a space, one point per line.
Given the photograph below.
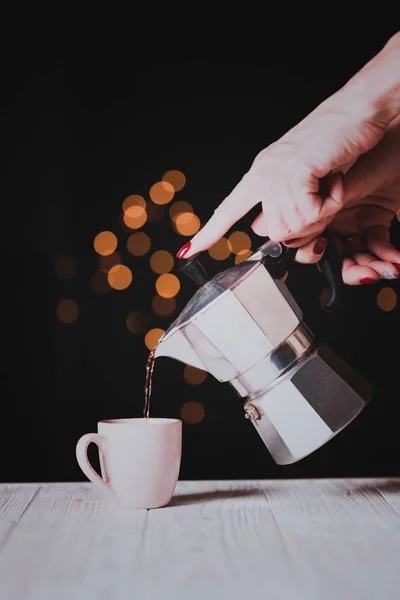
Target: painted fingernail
x=287 y=242
x=397 y=265
x=367 y=280
x=181 y=253
x=320 y=246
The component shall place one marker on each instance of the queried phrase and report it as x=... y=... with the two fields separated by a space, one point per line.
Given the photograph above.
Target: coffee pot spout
x=177 y=346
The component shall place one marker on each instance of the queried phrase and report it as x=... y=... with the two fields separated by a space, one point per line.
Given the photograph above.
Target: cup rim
x=132 y=421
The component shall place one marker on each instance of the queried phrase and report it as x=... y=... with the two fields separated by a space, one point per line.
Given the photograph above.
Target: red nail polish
x=397 y=265
x=181 y=253
x=367 y=280
x=320 y=246
x=293 y=241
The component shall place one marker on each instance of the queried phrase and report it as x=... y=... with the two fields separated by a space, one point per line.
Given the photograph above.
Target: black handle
x=331 y=268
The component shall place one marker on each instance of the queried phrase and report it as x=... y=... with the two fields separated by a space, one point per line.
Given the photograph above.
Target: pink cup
x=139 y=460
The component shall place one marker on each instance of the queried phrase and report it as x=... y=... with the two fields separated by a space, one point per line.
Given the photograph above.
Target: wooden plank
x=69 y=544
x=14 y=501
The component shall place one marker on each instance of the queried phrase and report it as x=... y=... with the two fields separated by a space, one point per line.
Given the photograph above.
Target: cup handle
x=84 y=463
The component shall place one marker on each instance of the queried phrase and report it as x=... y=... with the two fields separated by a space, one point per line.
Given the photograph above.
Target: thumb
x=234 y=207
x=373 y=169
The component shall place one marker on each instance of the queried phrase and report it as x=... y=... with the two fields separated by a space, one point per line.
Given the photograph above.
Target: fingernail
x=367 y=280
x=181 y=253
x=287 y=242
x=320 y=246
x=397 y=265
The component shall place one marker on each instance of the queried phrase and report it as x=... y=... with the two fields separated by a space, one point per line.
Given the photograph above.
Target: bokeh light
x=99 y=282
x=65 y=267
x=168 y=285
x=152 y=337
x=161 y=262
x=135 y=217
x=193 y=375
x=164 y=307
x=239 y=241
x=192 y=412
x=105 y=243
x=138 y=243
x=137 y=322
x=106 y=262
x=179 y=207
x=386 y=299
x=242 y=255
x=187 y=223
x=67 y=311
x=398 y=215
x=133 y=200
x=175 y=178
x=221 y=249
x=161 y=192
x=119 y=277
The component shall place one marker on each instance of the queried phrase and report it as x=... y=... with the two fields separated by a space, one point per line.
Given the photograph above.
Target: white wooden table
x=286 y=540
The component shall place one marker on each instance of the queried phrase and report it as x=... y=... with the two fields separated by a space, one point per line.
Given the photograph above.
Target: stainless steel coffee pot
x=244 y=327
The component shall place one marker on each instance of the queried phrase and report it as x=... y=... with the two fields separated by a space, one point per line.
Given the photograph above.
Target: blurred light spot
x=161 y=192
x=133 y=200
x=67 y=311
x=323 y=298
x=138 y=243
x=152 y=338
x=161 y=262
x=154 y=212
x=65 y=267
x=105 y=243
x=179 y=207
x=137 y=322
x=239 y=240
x=221 y=249
x=168 y=285
x=164 y=307
x=135 y=217
x=242 y=255
x=176 y=179
x=192 y=412
x=187 y=223
x=99 y=282
x=193 y=375
x=119 y=277
x=387 y=299
x=106 y=262
x=285 y=276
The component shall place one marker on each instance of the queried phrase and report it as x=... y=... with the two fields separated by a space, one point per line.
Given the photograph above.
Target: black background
x=98 y=106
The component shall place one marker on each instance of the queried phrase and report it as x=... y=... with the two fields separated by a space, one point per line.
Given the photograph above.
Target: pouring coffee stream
x=244 y=327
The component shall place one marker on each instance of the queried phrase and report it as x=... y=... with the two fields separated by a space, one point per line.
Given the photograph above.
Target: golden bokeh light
x=119 y=277
x=99 y=282
x=398 y=215
x=386 y=299
x=138 y=243
x=137 y=322
x=193 y=375
x=106 y=262
x=152 y=337
x=164 y=307
x=179 y=207
x=135 y=217
x=239 y=241
x=192 y=412
x=161 y=262
x=67 y=311
x=242 y=255
x=168 y=285
x=65 y=267
x=221 y=249
x=162 y=192
x=133 y=200
x=175 y=178
x=105 y=243
x=187 y=223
